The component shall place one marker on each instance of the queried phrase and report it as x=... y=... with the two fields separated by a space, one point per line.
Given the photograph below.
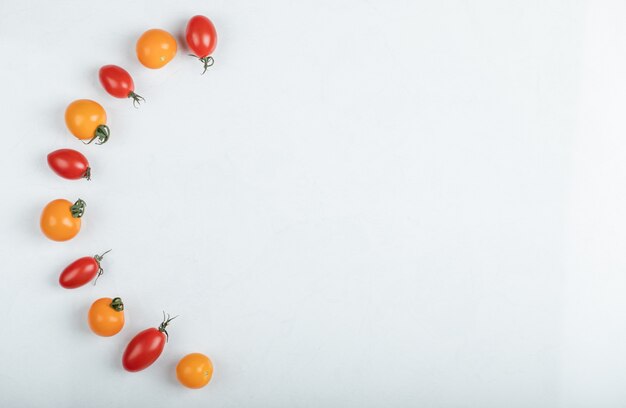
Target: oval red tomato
x=201 y=38
x=81 y=271
x=146 y=347
x=118 y=83
x=69 y=164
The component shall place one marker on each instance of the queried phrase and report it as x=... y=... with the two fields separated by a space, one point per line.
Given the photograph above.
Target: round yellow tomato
x=194 y=370
x=106 y=316
x=87 y=119
x=155 y=48
x=60 y=219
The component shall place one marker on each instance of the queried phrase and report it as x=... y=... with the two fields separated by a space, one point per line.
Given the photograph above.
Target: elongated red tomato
x=69 y=164
x=146 y=347
x=118 y=83
x=201 y=38
x=81 y=271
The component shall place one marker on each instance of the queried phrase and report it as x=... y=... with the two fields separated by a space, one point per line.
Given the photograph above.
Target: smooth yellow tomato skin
x=155 y=48
x=103 y=319
x=194 y=370
x=57 y=222
x=83 y=117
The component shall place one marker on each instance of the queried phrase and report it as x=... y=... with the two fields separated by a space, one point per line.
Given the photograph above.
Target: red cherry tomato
x=146 y=347
x=69 y=164
x=81 y=271
x=118 y=83
x=201 y=39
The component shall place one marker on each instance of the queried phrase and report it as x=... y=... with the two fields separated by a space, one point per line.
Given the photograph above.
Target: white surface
x=361 y=204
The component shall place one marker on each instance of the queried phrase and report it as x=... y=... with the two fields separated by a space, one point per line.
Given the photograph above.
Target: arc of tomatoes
x=61 y=220
x=118 y=83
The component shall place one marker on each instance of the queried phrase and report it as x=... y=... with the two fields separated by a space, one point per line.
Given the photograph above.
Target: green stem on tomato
x=164 y=323
x=78 y=208
x=101 y=135
x=137 y=99
x=117 y=304
x=98 y=258
x=208 y=61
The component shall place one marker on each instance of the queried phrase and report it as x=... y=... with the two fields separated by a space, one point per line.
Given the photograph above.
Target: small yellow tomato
x=87 y=119
x=60 y=219
x=106 y=316
x=194 y=370
x=155 y=48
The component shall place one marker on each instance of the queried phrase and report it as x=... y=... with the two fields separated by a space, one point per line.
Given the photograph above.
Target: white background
x=363 y=203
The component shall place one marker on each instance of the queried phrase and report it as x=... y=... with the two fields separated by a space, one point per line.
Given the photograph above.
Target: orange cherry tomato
x=194 y=370
x=87 y=119
x=155 y=48
x=60 y=219
x=106 y=316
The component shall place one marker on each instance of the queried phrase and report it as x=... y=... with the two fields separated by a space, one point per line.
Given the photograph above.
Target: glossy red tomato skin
x=143 y=350
x=69 y=164
x=79 y=273
x=116 y=81
x=201 y=36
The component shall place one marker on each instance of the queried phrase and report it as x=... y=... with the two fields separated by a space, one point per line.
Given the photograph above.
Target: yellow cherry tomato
x=155 y=48
x=60 y=219
x=106 y=316
x=194 y=370
x=87 y=119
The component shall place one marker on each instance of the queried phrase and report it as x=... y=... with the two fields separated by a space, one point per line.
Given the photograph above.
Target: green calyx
x=137 y=99
x=87 y=174
x=98 y=259
x=101 y=135
x=78 y=209
x=164 y=323
x=208 y=61
x=117 y=304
